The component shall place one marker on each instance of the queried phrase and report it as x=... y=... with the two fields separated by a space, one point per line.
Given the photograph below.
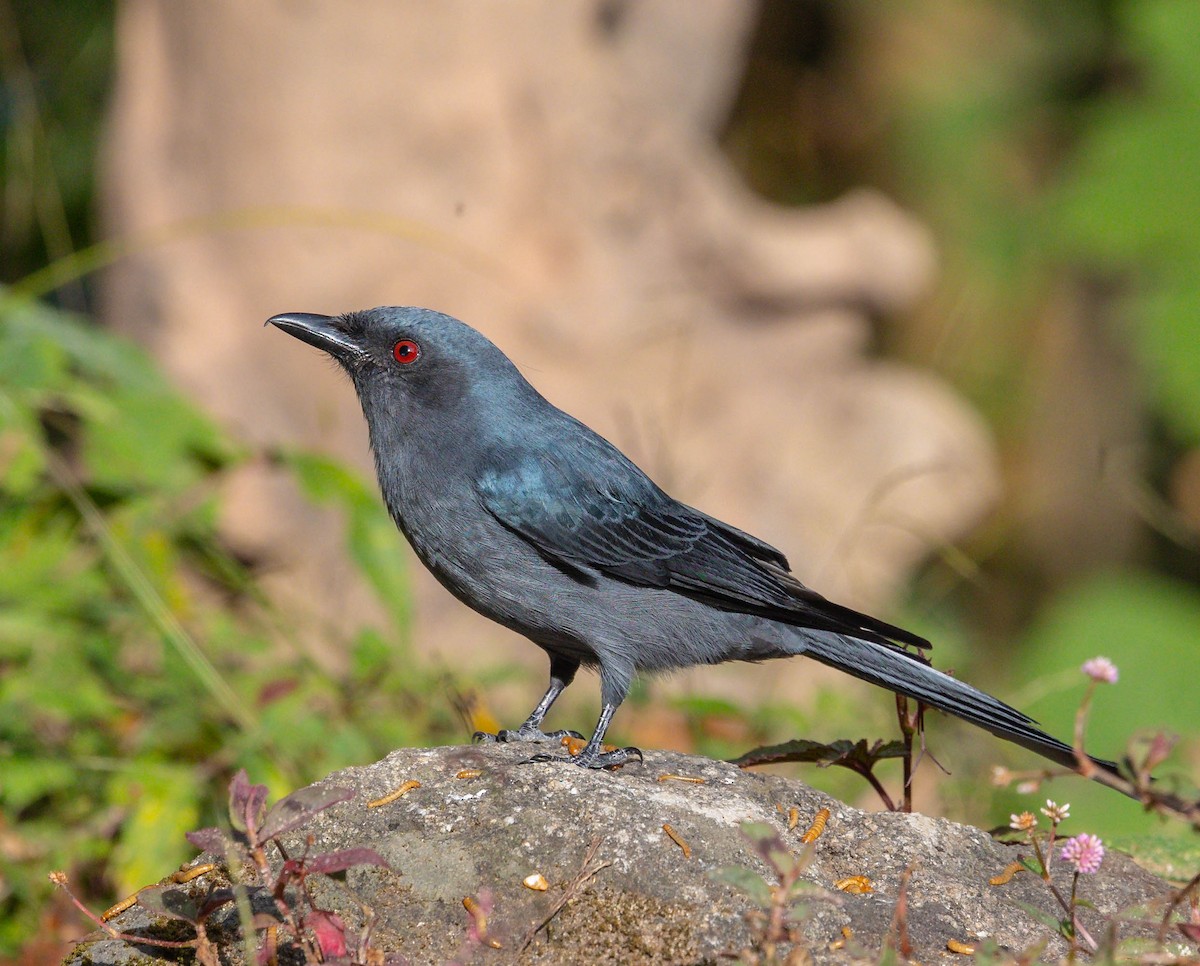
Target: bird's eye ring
x=406 y=352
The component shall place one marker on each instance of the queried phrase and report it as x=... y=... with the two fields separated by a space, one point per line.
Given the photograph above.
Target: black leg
x=562 y=672
x=613 y=688
x=593 y=755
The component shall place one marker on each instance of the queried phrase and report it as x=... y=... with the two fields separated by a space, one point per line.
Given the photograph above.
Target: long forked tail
x=891 y=668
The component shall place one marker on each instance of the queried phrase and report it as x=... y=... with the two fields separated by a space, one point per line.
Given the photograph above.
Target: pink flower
x=1100 y=669
x=1085 y=852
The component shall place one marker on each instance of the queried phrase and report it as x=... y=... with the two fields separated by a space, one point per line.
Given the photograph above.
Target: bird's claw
x=524 y=733
x=593 y=759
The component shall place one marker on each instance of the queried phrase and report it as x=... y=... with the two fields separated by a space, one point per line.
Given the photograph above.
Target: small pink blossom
x=1101 y=670
x=1085 y=852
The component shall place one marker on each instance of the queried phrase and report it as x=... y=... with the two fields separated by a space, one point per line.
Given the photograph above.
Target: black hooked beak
x=319 y=331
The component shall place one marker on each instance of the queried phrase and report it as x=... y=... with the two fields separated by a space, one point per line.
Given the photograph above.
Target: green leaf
x=1045 y=918
x=745 y=880
x=759 y=832
x=170 y=901
x=371 y=536
x=163 y=806
x=1126 y=204
x=25 y=780
x=1143 y=623
x=1174 y=857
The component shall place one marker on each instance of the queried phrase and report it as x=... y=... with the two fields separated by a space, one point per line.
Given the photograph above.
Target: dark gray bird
x=530 y=518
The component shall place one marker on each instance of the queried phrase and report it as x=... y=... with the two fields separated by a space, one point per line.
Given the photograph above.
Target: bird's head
x=406 y=360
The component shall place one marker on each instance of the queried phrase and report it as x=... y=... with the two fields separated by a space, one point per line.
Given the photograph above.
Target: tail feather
x=898 y=671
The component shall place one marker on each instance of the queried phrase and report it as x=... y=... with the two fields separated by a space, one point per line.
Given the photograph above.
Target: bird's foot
x=595 y=757
x=526 y=732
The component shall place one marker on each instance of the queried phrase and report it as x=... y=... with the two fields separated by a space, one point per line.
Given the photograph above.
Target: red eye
x=406 y=352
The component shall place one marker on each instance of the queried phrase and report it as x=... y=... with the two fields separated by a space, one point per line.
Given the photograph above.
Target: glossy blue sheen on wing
x=587 y=506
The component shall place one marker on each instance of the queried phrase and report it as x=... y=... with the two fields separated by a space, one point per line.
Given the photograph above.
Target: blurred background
x=909 y=290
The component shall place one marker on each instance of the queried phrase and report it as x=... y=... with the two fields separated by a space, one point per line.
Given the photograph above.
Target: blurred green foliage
x=56 y=64
x=1128 y=202
x=1052 y=147
x=139 y=665
x=1058 y=144
x=1134 y=619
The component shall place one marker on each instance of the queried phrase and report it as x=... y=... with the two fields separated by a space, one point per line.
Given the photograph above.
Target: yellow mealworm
x=400 y=792
x=187 y=875
x=817 y=827
x=846 y=934
x=1009 y=871
x=113 y=911
x=675 y=837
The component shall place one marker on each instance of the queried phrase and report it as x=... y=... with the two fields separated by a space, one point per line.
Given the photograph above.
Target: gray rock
x=481 y=836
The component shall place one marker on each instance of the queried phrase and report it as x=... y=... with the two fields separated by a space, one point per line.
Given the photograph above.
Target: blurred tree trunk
x=548 y=171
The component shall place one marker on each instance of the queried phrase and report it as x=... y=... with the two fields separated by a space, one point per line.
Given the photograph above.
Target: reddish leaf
x=330 y=932
x=856 y=755
x=330 y=862
x=1191 y=930
x=300 y=807
x=274 y=690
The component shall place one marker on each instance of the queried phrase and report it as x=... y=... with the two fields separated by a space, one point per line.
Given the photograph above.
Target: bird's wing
x=587 y=509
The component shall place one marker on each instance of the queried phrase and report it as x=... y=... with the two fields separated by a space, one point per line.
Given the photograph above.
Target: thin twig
x=60 y=880
x=586 y=871
x=899 y=926
x=875 y=783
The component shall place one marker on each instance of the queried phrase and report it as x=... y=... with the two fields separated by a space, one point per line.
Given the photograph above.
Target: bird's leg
x=562 y=672
x=613 y=687
x=594 y=755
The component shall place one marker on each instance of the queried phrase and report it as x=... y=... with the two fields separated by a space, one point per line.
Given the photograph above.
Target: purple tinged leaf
x=210 y=840
x=246 y=803
x=213 y=901
x=300 y=807
x=330 y=862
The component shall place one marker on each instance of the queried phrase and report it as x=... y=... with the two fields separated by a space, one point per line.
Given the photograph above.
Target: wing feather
x=594 y=511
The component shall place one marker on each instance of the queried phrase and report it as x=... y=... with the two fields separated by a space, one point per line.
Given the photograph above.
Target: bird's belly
x=508 y=582
x=594 y=618
x=599 y=621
